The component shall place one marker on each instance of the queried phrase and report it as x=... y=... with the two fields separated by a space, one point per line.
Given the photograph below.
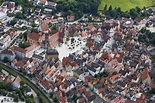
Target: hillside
x=126 y=4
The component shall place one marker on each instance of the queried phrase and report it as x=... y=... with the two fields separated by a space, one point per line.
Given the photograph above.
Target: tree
x=105 y=7
x=110 y=8
x=10 y=14
x=22 y=83
x=72 y=40
x=147 y=24
x=75 y=98
x=15 y=96
x=13 y=22
x=5 y=60
x=138 y=9
x=133 y=13
x=8 y=86
x=30 y=100
x=54 y=27
x=23 y=44
x=55 y=99
x=34 y=25
x=19 y=15
x=51 y=95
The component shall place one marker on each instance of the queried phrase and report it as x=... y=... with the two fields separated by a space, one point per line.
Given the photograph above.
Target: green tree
x=55 y=99
x=10 y=14
x=147 y=24
x=51 y=95
x=105 y=7
x=22 y=83
x=5 y=60
x=110 y=8
x=19 y=15
x=133 y=13
x=13 y=22
x=72 y=40
x=34 y=25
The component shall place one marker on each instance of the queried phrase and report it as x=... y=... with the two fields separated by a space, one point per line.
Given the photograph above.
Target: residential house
x=70 y=18
x=47 y=86
x=12 y=33
x=28 y=92
x=93 y=71
x=146 y=79
x=42 y=2
x=6 y=39
x=118 y=99
x=16 y=82
x=61 y=97
x=115 y=78
x=51 y=4
x=8 y=7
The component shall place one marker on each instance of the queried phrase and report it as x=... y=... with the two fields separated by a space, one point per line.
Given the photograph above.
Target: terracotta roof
x=32 y=69
x=65 y=60
x=18 y=49
x=113 y=78
x=17 y=80
x=32 y=47
x=48 y=85
x=145 y=74
x=112 y=62
x=43 y=1
x=90 y=26
x=105 y=56
x=44 y=27
x=52 y=3
x=89 y=43
x=6 y=38
x=33 y=36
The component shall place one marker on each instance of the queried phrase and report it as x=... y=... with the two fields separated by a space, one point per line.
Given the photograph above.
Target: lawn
x=126 y=4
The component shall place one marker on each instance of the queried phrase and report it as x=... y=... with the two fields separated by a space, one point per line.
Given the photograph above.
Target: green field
x=126 y=5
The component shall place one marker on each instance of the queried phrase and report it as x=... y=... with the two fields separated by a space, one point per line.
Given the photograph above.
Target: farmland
x=126 y=5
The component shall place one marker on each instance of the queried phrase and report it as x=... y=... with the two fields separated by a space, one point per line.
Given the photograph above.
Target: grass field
x=126 y=5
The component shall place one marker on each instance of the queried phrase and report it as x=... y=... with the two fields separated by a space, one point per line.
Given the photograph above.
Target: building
x=52 y=53
x=7 y=53
x=16 y=82
x=55 y=39
x=42 y=2
x=51 y=4
x=44 y=28
x=3 y=16
x=70 y=18
x=6 y=40
x=32 y=38
x=27 y=52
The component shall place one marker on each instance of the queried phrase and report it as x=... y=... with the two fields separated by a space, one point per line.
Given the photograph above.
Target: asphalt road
x=28 y=82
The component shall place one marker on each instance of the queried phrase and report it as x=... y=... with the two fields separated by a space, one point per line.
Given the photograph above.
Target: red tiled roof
x=52 y=3
x=43 y=1
x=18 y=49
x=31 y=47
x=33 y=36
